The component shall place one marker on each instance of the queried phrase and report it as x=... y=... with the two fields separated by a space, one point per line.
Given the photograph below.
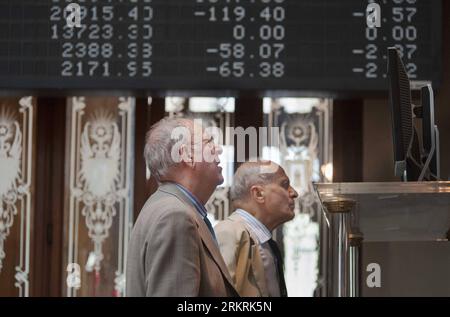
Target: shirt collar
x=257 y=227
x=197 y=204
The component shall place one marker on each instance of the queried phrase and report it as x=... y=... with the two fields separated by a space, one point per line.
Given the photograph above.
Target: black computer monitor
x=430 y=135
x=407 y=157
x=413 y=160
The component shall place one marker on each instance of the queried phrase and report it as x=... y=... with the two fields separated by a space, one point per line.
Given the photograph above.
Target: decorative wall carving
x=101 y=155
x=16 y=144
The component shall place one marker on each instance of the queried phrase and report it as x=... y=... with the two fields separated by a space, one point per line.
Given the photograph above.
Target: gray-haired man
x=173 y=250
x=264 y=199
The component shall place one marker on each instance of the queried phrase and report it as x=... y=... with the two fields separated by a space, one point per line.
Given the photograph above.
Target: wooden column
x=248 y=113
x=146 y=116
x=347 y=141
x=49 y=200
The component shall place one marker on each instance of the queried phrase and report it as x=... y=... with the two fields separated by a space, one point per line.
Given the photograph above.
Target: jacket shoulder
x=232 y=229
x=161 y=205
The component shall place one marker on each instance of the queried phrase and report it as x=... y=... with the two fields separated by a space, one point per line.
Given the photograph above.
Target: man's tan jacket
x=239 y=248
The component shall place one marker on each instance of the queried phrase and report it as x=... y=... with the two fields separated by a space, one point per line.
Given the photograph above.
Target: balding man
x=173 y=250
x=264 y=199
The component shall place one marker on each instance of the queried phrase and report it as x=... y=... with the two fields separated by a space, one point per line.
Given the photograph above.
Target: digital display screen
x=255 y=45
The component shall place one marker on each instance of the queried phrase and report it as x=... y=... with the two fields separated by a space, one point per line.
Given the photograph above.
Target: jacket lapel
x=205 y=234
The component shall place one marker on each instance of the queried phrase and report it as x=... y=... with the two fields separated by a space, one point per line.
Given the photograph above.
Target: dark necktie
x=210 y=227
x=279 y=263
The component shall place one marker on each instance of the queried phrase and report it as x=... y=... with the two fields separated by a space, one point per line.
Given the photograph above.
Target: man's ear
x=257 y=193
x=186 y=155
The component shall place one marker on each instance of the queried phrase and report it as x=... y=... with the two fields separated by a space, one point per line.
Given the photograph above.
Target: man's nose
x=293 y=192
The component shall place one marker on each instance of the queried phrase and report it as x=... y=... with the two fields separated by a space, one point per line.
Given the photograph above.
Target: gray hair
x=159 y=143
x=250 y=174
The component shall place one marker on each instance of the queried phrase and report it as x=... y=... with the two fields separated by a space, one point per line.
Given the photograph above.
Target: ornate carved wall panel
x=17 y=127
x=304 y=150
x=99 y=194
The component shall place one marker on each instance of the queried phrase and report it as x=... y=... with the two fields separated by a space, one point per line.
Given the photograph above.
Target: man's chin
x=291 y=214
